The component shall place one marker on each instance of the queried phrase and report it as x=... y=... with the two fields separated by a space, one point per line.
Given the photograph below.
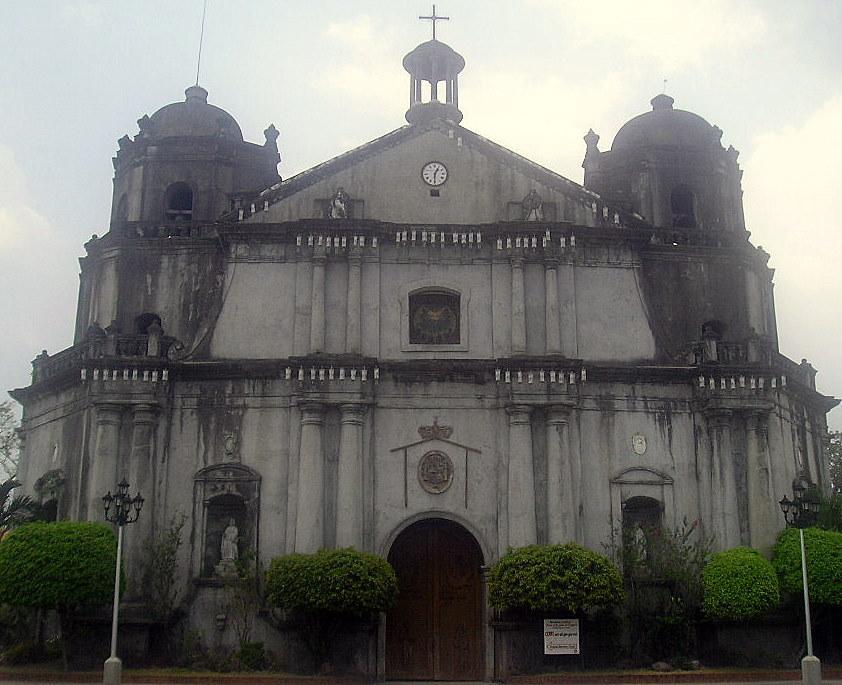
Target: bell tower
x=433 y=62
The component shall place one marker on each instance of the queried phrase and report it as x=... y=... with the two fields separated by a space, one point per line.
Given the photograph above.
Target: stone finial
x=661 y=102
x=196 y=94
x=592 y=140
x=271 y=135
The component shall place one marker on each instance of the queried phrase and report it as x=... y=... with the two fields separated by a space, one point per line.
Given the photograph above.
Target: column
x=561 y=507
x=725 y=513
x=141 y=477
x=762 y=502
x=352 y=331
x=103 y=469
x=518 y=307
x=309 y=519
x=317 y=320
x=349 y=487
x=553 y=325
x=521 y=489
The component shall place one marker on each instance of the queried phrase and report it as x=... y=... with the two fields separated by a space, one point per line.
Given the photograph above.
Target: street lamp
x=122 y=510
x=801 y=512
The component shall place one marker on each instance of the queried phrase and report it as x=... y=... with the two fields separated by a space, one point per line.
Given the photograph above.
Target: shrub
x=159 y=569
x=824 y=564
x=830 y=513
x=554 y=578
x=329 y=589
x=341 y=581
x=739 y=584
x=62 y=566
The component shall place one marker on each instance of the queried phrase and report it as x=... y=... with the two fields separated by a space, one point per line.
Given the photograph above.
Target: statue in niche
x=338 y=208
x=533 y=207
x=228 y=551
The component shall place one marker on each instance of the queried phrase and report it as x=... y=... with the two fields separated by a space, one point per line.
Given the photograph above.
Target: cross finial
x=433 y=18
x=665 y=87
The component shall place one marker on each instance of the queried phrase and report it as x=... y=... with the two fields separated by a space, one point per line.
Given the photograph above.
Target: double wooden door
x=434 y=632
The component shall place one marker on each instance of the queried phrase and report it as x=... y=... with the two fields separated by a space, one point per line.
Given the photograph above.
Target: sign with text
x=561 y=636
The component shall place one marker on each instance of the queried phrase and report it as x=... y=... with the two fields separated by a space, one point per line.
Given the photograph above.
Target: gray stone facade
x=605 y=342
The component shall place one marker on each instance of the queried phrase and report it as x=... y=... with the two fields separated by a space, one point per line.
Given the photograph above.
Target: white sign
x=561 y=636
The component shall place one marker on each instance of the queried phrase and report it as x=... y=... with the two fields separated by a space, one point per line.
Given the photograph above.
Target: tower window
x=682 y=205
x=434 y=317
x=179 y=202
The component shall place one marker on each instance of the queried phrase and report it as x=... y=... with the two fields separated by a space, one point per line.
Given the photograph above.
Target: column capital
x=319 y=253
x=518 y=413
x=551 y=261
x=353 y=412
x=108 y=412
x=144 y=413
x=516 y=260
x=558 y=413
x=355 y=255
x=718 y=417
x=311 y=411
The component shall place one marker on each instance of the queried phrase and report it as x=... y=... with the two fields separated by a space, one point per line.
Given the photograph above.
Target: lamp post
x=801 y=512
x=122 y=510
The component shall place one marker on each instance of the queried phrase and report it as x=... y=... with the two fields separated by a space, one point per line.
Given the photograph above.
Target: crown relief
x=435 y=432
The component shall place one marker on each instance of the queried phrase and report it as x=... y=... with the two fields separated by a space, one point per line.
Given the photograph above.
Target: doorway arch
x=434 y=631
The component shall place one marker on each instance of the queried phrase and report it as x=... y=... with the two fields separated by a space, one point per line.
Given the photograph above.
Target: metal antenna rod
x=201 y=40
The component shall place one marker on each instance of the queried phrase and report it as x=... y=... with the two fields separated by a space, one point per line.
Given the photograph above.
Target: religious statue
x=339 y=205
x=533 y=207
x=228 y=551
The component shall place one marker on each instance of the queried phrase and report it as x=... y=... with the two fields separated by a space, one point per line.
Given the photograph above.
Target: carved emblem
x=639 y=443
x=435 y=472
x=230 y=444
x=435 y=432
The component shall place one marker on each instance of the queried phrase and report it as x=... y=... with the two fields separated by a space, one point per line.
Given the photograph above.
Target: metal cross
x=434 y=18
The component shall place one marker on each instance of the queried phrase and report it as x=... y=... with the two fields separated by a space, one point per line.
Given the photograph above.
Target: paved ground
x=418 y=682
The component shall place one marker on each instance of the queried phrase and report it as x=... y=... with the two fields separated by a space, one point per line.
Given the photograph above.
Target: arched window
x=682 y=204
x=179 y=202
x=434 y=317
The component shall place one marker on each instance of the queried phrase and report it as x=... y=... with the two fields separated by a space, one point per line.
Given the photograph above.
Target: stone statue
x=533 y=207
x=339 y=205
x=228 y=551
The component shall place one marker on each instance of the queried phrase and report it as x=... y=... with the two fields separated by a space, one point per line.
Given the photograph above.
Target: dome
x=193 y=118
x=665 y=126
x=433 y=61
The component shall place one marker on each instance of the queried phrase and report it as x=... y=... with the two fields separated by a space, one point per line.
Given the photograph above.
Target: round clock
x=434 y=173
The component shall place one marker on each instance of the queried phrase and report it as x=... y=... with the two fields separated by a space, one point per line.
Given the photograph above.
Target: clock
x=434 y=173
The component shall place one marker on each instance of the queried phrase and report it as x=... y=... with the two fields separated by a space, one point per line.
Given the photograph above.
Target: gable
x=383 y=179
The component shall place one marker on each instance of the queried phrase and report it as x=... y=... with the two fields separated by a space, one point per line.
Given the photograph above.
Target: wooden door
x=434 y=632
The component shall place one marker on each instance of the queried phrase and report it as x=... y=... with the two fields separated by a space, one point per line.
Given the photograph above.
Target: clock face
x=434 y=173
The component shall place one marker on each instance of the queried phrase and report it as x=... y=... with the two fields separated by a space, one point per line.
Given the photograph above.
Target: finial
x=661 y=102
x=433 y=18
x=196 y=94
x=201 y=40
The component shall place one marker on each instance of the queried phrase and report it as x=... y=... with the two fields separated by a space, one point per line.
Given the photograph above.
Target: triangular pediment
x=383 y=180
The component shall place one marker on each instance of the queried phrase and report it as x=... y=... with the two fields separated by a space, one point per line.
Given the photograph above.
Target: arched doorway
x=434 y=632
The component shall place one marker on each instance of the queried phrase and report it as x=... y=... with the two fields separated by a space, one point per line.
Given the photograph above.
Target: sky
x=77 y=74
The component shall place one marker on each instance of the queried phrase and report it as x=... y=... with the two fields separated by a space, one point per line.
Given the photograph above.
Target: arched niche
x=221 y=493
x=438 y=307
x=49 y=490
x=642 y=486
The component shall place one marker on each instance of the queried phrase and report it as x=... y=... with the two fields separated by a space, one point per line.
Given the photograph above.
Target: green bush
x=60 y=566
x=824 y=564
x=341 y=581
x=739 y=584
x=554 y=578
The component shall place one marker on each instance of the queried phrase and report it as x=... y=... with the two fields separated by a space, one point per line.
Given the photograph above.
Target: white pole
x=811 y=673
x=112 y=671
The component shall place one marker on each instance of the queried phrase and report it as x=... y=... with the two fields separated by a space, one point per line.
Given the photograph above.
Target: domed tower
x=186 y=165
x=433 y=62
x=669 y=166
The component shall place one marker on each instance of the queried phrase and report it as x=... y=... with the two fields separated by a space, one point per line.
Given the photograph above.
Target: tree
x=835 y=460
x=824 y=564
x=9 y=440
x=61 y=566
x=739 y=584
x=13 y=510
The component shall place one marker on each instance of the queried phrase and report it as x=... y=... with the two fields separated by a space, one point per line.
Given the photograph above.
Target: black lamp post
x=122 y=510
x=801 y=512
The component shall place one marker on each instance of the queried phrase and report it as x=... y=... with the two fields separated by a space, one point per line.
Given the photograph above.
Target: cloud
x=792 y=181
x=672 y=34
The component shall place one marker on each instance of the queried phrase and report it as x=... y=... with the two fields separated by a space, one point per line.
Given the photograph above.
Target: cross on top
x=433 y=19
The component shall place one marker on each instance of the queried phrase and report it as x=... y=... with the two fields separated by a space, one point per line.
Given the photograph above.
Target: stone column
x=103 y=469
x=553 y=324
x=141 y=477
x=561 y=506
x=518 y=307
x=317 y=317
x=724 y=509
x=352 y=331
x=349 y=488
x=309 y=518
x=521 y=490
x=762 y=502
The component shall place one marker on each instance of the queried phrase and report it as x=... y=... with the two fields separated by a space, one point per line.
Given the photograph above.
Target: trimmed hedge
x=342 y=581
x=739 y=584
x=554 y=578
x=824 y=564
x=59 y=566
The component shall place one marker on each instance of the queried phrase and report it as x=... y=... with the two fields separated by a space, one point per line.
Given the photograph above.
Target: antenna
x=201 y=40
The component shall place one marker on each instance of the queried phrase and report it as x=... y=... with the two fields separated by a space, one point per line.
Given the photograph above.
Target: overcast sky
x=75 y=75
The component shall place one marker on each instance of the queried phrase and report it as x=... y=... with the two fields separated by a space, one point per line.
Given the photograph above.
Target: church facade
x=429 y=348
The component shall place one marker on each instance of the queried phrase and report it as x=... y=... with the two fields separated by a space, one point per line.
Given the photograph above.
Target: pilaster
x=309 y=519
x=561 y=509
x=518 y=307
x=317 y=319
x=349 y=490
x=521 y=488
